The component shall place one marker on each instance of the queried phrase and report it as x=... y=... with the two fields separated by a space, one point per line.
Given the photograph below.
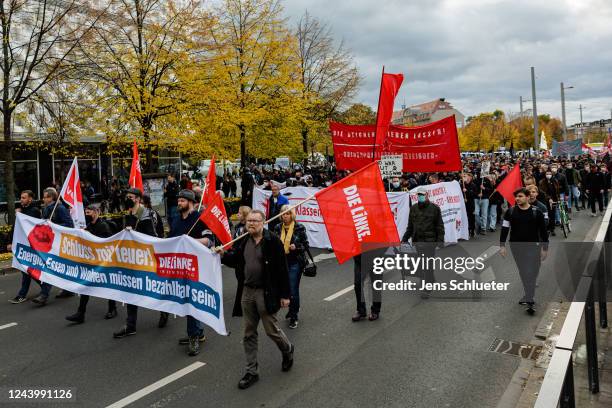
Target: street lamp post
x=535 y=111
x=563 y=88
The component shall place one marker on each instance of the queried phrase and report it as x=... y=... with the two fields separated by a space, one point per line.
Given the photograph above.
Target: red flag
x=135 y=180
x=510 y=184
x=211 y=184
x=356 y=212
x=215 y=218
x=389 y=87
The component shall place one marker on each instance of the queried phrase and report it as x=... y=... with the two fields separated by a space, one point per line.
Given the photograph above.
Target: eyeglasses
x=254 y=221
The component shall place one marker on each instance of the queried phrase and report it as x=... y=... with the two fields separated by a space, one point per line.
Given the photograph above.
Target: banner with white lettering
x=449 y=197
x=175 y=275
x=309 y=214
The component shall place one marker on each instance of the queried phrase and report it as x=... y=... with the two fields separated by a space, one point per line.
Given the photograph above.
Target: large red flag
x=510 y=184
x=389 y=87
x=357 y=214
x=215 y=218
x=211 y=184
x=135 y=180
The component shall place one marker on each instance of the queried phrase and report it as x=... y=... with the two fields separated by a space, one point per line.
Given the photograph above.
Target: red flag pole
x=378 y=113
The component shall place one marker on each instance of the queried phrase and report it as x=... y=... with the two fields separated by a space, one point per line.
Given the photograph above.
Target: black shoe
x=373 y=316
x=40 y=300
x=125 y=331
x=110 y=314
x=293 y=323
x=78 y=317
x=358 y=316
x=18 y=299
x=482 y=232
x=64 y=294
x=248 y=380
x=288 y=359
x=185 y=340
x=194 y=346
x=530 y=309
x=163 y=320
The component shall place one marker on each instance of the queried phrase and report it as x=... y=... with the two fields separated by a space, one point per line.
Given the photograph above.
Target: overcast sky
x=478 y=53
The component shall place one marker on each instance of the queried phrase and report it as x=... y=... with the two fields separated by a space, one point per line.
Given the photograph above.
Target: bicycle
x=566 y=226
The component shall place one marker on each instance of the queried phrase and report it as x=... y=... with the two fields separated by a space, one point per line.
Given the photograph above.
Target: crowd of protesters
x=269 y=262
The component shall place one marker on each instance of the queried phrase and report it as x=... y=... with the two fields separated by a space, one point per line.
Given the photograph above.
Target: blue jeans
x=493 y=216
x=574 y=193
x=195 y=328
x=172 y=214
x=295 y=275
x=481 y=207
x=26 y=279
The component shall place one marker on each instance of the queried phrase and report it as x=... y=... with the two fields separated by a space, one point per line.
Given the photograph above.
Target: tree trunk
x=305 y=145
x=8 y=166
x=242 y=129
x=148 y=168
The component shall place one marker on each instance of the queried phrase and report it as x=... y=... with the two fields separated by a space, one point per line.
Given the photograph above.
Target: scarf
x=286 y=234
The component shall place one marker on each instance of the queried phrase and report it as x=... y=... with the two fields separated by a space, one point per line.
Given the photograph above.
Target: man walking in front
x=266 y=289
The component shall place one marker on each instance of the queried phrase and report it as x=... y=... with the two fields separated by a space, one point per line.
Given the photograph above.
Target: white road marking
x=339 y=293
x=323 y=256
x=6 y=326
x=156 y=385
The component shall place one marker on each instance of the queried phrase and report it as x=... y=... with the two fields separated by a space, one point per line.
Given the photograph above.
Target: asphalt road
x=420 y=353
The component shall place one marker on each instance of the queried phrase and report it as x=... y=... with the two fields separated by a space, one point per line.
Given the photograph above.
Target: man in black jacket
x=594 y=184
x=100 y=228
x=261 y=256
x=140 y=219
x=27 y=208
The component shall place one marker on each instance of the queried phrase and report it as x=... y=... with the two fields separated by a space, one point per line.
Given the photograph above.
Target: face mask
x=421 y=198
x=554 y=170
x=549 y=176
x=396 y=184
x=569 y=167
x=129 y=203
x=88 y=219
x=328 y=183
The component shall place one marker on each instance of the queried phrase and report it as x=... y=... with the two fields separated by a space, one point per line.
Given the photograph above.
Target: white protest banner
x=449 y=198
x=391 y=165
x=309 y=215
x=175 y=275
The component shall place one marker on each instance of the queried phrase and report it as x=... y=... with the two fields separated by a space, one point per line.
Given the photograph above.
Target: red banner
x=357 y=213
x=211 y=184
x=431 y=147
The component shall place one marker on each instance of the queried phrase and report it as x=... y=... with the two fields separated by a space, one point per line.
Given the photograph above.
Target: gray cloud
x=478 y=53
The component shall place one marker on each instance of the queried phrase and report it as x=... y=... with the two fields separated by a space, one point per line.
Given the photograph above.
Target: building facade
x=424 y=113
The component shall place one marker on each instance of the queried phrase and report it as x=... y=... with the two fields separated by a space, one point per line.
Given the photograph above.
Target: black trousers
x=132 y=316
x=527 y=258
x=360 y=276
x=596 y=196
x=428 y=250
x=85 y=299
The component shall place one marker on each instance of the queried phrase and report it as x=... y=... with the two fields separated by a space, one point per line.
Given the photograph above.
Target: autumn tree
x=39 y=40
x=356 y=114
x=328 y=76
x=136 y=53
x=258 y=88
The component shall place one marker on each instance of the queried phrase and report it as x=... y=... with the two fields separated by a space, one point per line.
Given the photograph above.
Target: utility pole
x=535 y=111
x=563 y=112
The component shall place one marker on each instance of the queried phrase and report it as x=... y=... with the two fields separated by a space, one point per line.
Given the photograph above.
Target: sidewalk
x=534 y=374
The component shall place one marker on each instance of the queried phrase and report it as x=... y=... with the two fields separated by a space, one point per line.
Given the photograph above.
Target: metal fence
x=558 y=385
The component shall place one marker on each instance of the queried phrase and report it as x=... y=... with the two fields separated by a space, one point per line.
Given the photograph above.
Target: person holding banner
x=426 y=229
x=261 y=256
x=57 y=214
x=140 y=219
x=27 y=208
x=182 y=225
x=275 y=202
x=295 y=243
x=100 y=228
